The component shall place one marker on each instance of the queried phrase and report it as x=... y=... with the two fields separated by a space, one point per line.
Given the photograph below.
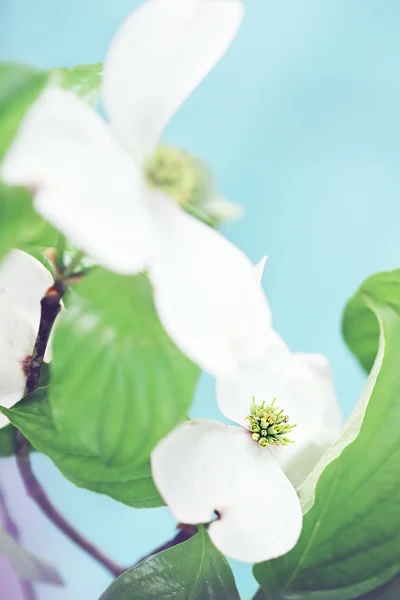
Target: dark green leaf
x=193 y=570
x=119 y=383
x=132 y=486
x=360 y=327
x=351 y=535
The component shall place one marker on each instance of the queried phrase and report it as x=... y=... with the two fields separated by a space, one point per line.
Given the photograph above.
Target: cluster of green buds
x=269 y=425
x=187 y=179
x=173 y=171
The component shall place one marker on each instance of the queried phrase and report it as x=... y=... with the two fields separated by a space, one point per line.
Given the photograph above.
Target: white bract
x=89 y=180
x=243 y=479
x=23 y=283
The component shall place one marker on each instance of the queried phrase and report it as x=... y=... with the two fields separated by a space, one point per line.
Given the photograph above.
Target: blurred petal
x=205 y=292
x=24 y=281
x=158 y=57
x=204 y=466
x=84 y=183
x=303 y=387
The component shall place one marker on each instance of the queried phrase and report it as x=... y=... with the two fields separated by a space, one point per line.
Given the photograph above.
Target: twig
x=50 y=307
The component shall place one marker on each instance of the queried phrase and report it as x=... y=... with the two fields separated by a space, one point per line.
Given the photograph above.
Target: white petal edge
x=259 y=269
x=303 y=387
x=259 y=272
x=204 y=466
x=205 y=292
x=84 y=183
x=158 y=57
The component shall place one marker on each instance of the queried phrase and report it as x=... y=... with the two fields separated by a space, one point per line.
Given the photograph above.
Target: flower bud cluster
x=269 y=425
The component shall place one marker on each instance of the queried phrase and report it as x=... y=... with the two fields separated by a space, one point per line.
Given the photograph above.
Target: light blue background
x=300 y=123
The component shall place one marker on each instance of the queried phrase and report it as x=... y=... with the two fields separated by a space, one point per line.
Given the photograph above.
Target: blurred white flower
x=23 y=283
x=244 y=479
x=92 y=180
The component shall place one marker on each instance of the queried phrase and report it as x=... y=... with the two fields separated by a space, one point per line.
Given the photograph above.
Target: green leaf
x=7 y=433
x=20 y=86
x=119 y=383
x=351 y=535
x=6 y=441
x=130 y=485
x=25 y=564
x=193 y=570
x=18 y=221
x=83 y=80
x=360 y=327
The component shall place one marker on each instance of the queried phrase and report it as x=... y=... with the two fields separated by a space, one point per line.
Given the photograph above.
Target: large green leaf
x=25 y=564
x=130 y=485
x=360 y=327
x=350 y=542
x=119 y=383
x=193 y=570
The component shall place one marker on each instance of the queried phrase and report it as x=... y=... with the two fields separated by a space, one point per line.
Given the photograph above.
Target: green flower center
x=269 y=425
x=174 y=171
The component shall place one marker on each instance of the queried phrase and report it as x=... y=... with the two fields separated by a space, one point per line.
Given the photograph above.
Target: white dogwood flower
x=243 y=479
x=23 y=283
x=96 y=181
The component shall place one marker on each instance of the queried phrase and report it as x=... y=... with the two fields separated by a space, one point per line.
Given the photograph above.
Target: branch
x=50 y=307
